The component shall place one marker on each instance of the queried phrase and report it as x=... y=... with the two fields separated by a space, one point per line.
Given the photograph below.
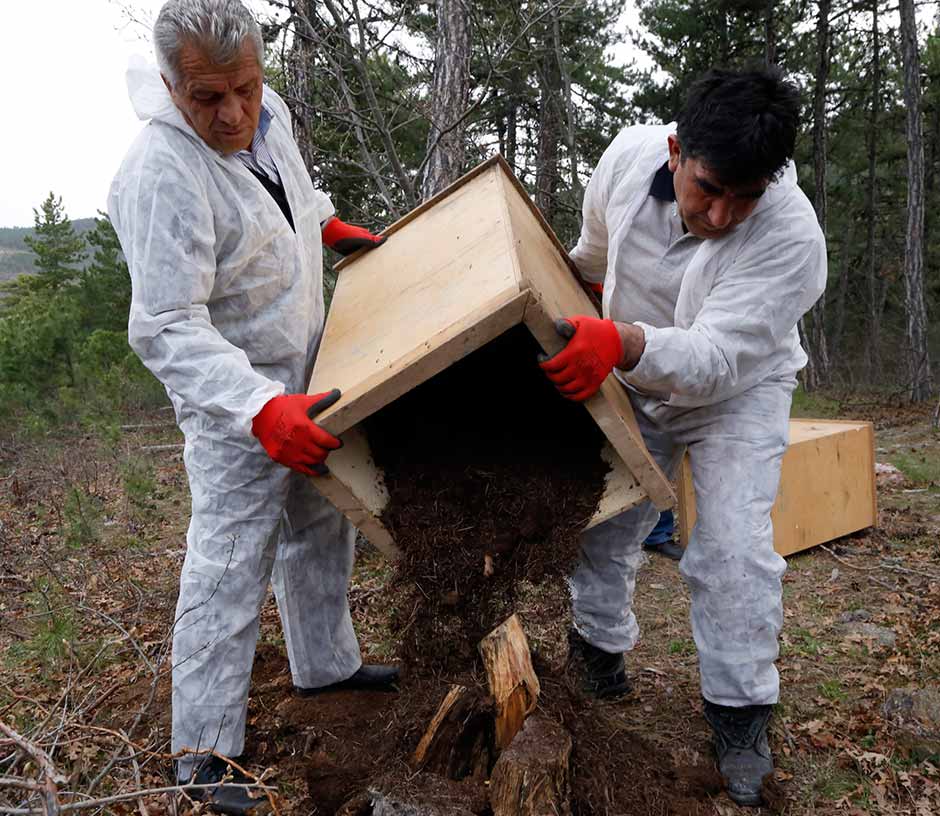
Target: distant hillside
x=16 y=258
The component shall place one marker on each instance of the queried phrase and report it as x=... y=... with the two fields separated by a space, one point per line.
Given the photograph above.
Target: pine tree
x=58 y=249
x=105 y=285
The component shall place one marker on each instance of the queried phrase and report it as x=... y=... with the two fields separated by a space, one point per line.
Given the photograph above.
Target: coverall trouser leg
x=733 y=573
x=241 y=537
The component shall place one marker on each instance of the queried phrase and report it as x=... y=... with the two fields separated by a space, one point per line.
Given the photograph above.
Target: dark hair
x=741 y=124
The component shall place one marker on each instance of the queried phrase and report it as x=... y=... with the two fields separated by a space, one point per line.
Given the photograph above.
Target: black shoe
x=743 y=751
x=603 y=674
x=668 y=548
x=366 y=678
x=227 y=797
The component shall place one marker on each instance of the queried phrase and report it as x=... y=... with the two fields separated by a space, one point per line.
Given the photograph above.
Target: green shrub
x=139 y=485
x=53 y=626
x=81 y=518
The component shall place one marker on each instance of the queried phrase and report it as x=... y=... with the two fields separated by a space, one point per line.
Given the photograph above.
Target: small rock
x=853 y=615
x=885 y=637
x=422 y=795
x=886 y=474
x=913 y=714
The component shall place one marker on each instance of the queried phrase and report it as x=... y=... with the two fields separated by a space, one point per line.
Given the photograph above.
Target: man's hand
x=594 y=348
x=285 y=429
x=345 y=238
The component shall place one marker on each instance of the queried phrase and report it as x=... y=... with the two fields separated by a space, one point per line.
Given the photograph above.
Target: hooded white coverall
x=227 y=312
x=718 y=381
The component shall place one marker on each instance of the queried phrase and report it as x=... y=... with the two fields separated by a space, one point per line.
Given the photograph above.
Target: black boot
x=227 y=796
x=366 y=678
x=743 y=751
x=667 y=548
x=603 y=674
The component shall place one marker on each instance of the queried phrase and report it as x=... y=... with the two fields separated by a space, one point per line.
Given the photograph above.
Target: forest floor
x=92 y=537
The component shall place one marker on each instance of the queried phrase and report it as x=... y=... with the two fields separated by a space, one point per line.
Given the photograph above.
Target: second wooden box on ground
x=827 y=485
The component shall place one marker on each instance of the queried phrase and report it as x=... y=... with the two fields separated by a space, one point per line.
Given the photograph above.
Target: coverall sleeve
x=166 y=226
x=590 y=253
x=735 y=339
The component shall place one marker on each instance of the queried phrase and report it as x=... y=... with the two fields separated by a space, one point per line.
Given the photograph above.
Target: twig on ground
x=51 y=776
x=141 y=806
x=880 y=566
x=156 y=667
x=131 y=795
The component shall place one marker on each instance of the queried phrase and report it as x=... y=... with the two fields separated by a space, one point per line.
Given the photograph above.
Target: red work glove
x=285 y=428
x=346 y=238
x=593 y=349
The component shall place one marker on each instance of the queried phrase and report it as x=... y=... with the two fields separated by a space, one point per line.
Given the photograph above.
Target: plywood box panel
x=457 y=272
x=827 y=485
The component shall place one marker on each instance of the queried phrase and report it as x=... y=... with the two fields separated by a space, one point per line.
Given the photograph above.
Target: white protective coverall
x=719 y=382
x=227 y=312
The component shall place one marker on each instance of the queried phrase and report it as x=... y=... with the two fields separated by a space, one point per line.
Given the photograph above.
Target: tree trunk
x=450 y=90
x=818 y=373
x=770 y=33
x=841 y=293
x=871 y=194
x=300 y=64
x=550 y=126
x=918 y=361
x=512 y=108
x=570 y=115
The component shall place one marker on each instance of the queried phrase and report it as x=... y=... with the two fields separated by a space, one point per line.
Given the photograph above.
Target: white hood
x=149 y=95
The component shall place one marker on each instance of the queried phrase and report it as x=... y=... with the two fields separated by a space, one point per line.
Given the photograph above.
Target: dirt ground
x=92 y=536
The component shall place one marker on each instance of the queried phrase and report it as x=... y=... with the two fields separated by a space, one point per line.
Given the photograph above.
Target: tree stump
x=511 y=678
x=531 y=777
x=469 y=730
x=459 y=741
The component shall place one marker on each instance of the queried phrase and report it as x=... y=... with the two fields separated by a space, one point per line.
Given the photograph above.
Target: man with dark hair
x=709 y=254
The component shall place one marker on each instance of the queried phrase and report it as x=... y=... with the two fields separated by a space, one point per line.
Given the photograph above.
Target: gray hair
x=218 y=27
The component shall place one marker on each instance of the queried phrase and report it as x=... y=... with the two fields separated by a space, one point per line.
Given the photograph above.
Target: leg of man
x=238 y=500
x=734 y=574
x=730 y=565
x=611 y=553
x=311 y=580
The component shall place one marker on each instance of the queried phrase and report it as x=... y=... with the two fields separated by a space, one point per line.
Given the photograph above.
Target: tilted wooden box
x=827 y=485
x=455 y=273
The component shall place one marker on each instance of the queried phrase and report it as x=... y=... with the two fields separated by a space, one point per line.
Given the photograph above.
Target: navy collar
x=662 y=186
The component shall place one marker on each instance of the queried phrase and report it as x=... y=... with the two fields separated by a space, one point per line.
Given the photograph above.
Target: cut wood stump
x=532 y=776
x=459 y=742
x=511 y=678
x=469 y=729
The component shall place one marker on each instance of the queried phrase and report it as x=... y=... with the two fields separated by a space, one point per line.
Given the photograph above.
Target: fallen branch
x=51 y=776
x=131 y=795
x=881 y=566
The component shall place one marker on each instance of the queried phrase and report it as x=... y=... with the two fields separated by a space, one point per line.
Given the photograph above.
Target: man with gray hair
x=223 y=231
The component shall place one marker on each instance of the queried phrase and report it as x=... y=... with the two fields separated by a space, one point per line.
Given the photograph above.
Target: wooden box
x=827 y=485
x=455 y=273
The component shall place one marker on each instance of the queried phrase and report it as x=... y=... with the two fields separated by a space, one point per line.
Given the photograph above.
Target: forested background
x=394 y=99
